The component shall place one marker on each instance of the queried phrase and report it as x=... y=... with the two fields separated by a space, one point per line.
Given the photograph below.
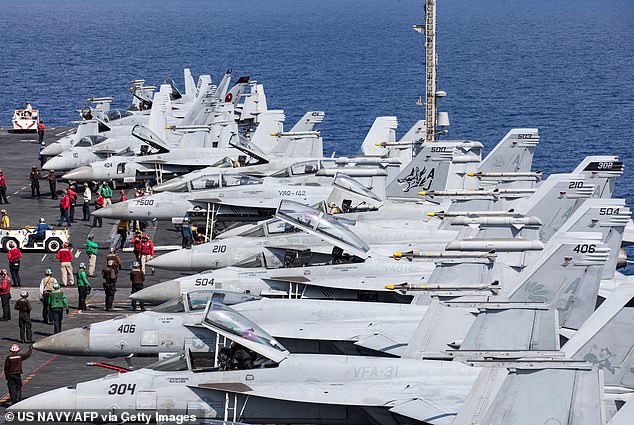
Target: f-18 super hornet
x=270 y=246
x=269 y=384
x=344 y=327
x=374 y=277
x=199 y=146
x=450 y=173
x=302 y=142
x=116 y=123
x=97 y=147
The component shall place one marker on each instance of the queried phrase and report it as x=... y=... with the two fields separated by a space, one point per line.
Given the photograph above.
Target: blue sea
x=564 y=66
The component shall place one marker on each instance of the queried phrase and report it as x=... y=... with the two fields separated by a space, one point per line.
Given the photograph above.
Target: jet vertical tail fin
x=514 y=153
x=566 y=276
x=204 y=82
x=308 y=121
x=158 y=114
x=555 y=200
x=383 y=130
x=190 y=86
x=602 y=171
x=309 y=145
x=271 y=122
x=606 y=216
x=606 y=339
x=254 y=103
x=233 y=96
x=223 y=86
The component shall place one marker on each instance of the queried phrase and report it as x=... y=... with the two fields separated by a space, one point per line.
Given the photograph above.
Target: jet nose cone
x=59 y=399
x=73 y=342
x=158 y=293
x=55 y=163
x=52 y=149
x=82 y=173
x=176 y=260
x=118 y=211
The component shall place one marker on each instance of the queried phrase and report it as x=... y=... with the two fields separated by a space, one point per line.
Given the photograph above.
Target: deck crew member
x=23 y=305
x=46 y=287
x=35 y=177
x=14 y=256
x=13 y=371
x=57 y=303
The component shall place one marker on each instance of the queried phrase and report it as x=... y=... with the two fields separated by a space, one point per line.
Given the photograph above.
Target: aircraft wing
x=379 y=394
x=191 y=161
x=374 y=283
x=237 y=202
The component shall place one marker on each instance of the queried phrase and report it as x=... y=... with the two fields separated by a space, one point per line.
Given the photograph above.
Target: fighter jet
x=272 y=244
x=343 y=326
x=243 y=382
x=291 y=157
x=199 y=146
x=95 y=148
x=115 y=123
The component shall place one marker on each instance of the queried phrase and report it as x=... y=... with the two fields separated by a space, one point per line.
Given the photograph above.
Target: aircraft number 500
x=127 y=329
x=121 y=389
x=203 y=281
x=145 y=201
x=585 y=248
x=219 y=249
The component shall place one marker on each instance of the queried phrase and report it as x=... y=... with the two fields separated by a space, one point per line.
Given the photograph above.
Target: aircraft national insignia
x=417 y=178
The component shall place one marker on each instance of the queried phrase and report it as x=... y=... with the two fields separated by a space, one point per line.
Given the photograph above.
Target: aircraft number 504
x=121 y=389
x=608 y=211
x=203 y=281
x=127 y=329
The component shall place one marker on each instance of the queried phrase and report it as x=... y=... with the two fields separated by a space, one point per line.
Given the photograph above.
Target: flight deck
x=43 y=371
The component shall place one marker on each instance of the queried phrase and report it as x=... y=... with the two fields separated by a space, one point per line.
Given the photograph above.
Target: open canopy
x=322 y=225
x=233 y=325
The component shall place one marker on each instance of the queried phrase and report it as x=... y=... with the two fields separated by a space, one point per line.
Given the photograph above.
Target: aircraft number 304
x=121 y=389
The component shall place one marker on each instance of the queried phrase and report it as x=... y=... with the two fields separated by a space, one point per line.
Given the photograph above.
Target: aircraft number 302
x=122 y=389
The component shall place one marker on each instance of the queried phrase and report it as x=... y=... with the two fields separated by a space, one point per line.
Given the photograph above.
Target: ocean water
x=563 y=66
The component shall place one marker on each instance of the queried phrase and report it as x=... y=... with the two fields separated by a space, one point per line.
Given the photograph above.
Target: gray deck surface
x=43 y=372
